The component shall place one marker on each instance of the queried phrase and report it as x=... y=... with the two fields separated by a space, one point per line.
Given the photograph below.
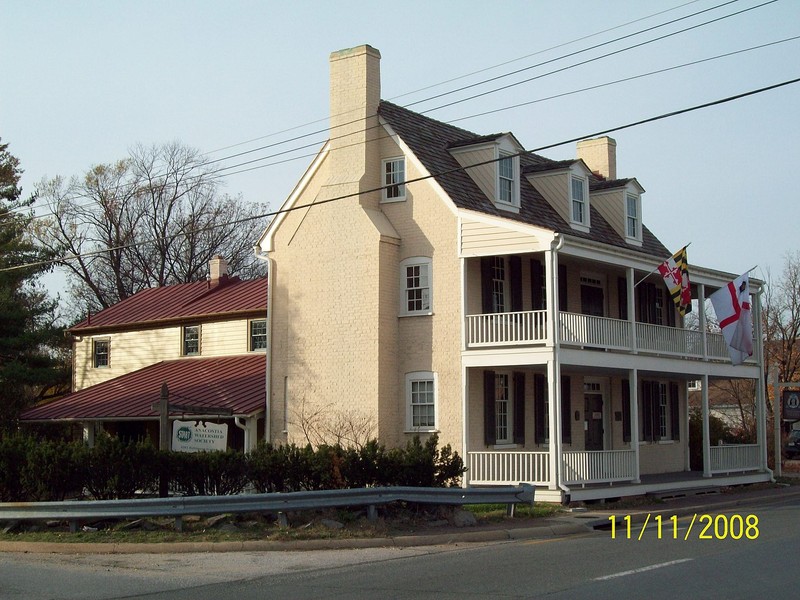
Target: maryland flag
x=675 y=271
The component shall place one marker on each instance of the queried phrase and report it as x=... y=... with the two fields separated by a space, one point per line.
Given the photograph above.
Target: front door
x=593 y=421
x=592 y=301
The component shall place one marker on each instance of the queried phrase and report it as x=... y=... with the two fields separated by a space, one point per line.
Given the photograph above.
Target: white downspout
x=268 y=354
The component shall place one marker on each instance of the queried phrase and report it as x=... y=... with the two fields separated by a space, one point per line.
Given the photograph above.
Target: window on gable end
x=191 y=340
x=258 y=335
x=580 y=206
x=633 y=217
x=415 y=285
x=394 y=177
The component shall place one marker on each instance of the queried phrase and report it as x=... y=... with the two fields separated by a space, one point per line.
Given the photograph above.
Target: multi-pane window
x=191 y=340
x=502 y=404
x=258 y=334
x=421 y=397
x=394 y=177
x=498 y=284
x=416 y=280
x=633 y=216
x=505 y=167
x=101 y=352
x=578 y=200
x=663 y=412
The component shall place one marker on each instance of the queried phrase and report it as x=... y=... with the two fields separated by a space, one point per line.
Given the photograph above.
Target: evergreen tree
x=29 y=337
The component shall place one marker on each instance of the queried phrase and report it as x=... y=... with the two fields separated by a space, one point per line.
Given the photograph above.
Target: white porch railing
x=602 y=466
x=529 y=327
x=492 y=468
x=595 y=331
x=503 y=329
x=735 y=458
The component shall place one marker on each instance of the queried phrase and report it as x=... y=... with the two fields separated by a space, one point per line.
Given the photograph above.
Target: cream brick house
x=430 y=279
x=206 y=340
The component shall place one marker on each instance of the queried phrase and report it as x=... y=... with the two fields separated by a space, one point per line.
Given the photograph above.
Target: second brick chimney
x=600 y=155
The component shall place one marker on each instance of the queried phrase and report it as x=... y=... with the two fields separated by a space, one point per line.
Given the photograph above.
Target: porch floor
x=661 y=485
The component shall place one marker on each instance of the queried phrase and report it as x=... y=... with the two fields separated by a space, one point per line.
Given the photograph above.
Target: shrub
x=116 y=469
x=54 y=469
x=14 y=452
x=208 y=473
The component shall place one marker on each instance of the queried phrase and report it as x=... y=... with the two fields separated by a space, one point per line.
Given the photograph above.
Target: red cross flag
x=732 y=306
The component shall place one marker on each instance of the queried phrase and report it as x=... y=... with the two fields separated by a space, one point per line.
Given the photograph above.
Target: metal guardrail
x=76 y=511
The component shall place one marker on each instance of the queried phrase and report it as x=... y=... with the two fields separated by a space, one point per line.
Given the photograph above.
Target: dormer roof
x=432 y=141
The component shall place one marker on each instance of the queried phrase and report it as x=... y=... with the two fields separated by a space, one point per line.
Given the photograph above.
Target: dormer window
x=507 y=180
x=580 y=208
x=633 y=220
x=394 y=178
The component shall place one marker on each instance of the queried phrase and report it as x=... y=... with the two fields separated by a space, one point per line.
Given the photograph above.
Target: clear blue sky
x=84 y=81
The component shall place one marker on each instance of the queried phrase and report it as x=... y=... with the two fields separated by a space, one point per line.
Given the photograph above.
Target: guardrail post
x=282 y=520
x=179 y=523
x=372 y=512
x=73 y=526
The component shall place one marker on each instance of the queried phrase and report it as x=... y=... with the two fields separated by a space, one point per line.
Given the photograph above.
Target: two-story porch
x=588 y=399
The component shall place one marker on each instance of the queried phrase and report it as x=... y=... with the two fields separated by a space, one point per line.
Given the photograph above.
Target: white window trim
x=421 y=376
x=94 y=353
x=384 y=196
x=410 y=262
x=638 y=200
x=585 y=223
x=250 y=335
x=514 y=205
x=199 y=340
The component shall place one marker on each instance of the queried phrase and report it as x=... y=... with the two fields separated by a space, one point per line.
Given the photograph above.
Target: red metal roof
x=182 y=301
x=234 y=382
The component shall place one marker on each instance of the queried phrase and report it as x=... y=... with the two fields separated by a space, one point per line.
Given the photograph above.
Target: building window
x=633 y=218
x=416 y=286
x=660 y=411
x=506 y=180
x=258 y=334
x=101 y=352
x=579 y=208
x=191 y=340
x=421 y=401
x=394 y=177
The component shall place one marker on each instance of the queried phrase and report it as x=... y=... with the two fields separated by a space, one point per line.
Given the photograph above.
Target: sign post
x=788 y=402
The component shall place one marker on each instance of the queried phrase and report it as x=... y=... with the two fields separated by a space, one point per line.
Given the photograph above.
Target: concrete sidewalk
x=577 y=521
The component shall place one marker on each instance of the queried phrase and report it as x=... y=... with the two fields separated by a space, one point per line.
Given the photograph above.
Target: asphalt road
x=725 y=554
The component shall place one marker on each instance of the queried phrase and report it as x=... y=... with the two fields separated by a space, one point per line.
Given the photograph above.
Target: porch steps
x=676 y=493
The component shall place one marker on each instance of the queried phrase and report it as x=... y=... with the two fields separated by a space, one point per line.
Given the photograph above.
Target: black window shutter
x=519 y=408
x=566 y=409
x=486 y=284
x=647 y=410
x=626 y=410
x=489 y=416
x=622 y=292
x=674 y=411
x=539 y=400
x=537 y=285
x=562 y=287
x=515 y=269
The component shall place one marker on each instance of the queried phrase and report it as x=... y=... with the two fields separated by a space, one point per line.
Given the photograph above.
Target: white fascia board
x=419 y=166
x=265 y=241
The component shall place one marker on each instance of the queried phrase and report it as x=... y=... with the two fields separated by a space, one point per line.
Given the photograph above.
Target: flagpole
x=659 y=264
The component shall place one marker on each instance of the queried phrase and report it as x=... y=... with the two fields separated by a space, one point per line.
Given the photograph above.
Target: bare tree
x=155 y=218
x=782 y=319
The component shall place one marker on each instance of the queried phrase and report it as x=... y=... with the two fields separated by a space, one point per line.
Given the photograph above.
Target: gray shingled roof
x=430 y=141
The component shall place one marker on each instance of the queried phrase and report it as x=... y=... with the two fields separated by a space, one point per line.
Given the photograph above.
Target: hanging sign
x=791 y=405
x=198 y=436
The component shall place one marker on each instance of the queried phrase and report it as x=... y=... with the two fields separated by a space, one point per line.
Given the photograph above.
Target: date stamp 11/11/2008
x=703 y=526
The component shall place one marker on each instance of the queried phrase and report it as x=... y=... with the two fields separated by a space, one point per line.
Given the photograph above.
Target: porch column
x=250 y=431
x=89 y=432
x=465 y=421
x=631 y=282
x=761 y=397
x=706 y=430
x=554 y=399
x=551 y=295
x=701 y=304
x=633 y=384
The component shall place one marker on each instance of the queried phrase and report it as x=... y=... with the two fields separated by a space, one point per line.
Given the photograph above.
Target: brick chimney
x=600 y=155
x=218 y=269
x=355 y=93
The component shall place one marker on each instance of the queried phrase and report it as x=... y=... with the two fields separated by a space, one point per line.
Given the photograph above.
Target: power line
x=306 y=135
x=662 y=116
